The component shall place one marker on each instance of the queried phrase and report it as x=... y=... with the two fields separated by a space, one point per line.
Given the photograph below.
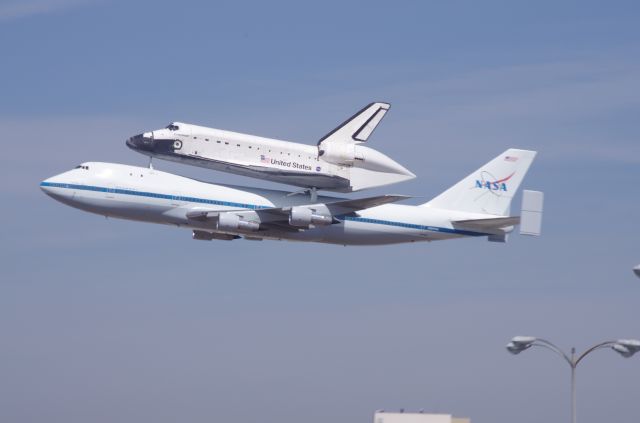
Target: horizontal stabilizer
x=358 y=127
x=488 y=224
x=532 y=203
x=498 y=238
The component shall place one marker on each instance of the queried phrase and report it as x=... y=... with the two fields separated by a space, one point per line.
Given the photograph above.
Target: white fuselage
x=341 y=168
x=149 y=195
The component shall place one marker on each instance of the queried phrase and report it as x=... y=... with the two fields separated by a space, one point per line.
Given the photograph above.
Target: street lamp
x=624 y=347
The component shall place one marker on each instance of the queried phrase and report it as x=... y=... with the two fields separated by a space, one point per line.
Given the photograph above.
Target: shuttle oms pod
x=340 y=162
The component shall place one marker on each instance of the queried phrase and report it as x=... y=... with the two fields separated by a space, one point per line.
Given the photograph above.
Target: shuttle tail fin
x=491 y=188
x=358 y=127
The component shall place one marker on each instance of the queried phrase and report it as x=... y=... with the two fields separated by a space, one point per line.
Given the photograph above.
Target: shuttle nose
x=154 y=143
x=141 y=142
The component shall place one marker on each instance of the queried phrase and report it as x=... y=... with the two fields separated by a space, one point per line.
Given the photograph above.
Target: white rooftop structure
x=401 y=417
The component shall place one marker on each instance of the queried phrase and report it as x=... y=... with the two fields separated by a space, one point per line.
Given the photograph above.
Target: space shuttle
x=339 y=162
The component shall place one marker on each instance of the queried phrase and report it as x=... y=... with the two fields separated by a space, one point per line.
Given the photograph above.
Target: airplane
x=340 y=162
x=477 y=206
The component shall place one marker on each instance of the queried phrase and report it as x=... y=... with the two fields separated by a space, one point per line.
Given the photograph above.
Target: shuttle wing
x=358 y=127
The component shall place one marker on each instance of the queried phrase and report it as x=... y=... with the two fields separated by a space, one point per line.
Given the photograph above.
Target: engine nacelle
x=339 y=153
x=209 y=236
x=202 y=235
x=304 y=217
x=233 y=222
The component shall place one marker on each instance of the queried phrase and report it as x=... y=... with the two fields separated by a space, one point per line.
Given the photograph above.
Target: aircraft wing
x=291 y=218
x=325 y=213
x=203 y=215
x=344 y=206
x=358 y=127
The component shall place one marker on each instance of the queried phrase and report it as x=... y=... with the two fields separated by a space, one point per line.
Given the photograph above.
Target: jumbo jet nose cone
x=141 y=142
x=45 y=186
x=52 y=187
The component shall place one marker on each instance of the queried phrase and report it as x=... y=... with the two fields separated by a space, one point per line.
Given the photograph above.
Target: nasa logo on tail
x=487 y=181
x=491 y=183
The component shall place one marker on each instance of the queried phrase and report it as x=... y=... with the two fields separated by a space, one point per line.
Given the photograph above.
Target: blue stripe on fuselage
x=253 y=207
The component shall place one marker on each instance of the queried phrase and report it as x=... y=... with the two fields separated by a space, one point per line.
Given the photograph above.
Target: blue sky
x=107 y=320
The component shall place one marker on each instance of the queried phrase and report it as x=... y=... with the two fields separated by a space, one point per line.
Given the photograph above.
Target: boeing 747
x=477 y=206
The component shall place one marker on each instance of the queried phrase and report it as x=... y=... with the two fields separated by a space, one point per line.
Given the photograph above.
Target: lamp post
x=624 y=347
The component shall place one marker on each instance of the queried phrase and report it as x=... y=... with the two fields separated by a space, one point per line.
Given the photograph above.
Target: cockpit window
x=173 y=127
x=82 y=167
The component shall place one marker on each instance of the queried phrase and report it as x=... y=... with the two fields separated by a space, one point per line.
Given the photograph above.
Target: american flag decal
x=264 y=159
x=510 y=159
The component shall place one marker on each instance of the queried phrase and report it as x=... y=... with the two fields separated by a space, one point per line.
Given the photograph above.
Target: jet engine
x=209 y=236
x=305 y=217
x=232 y=222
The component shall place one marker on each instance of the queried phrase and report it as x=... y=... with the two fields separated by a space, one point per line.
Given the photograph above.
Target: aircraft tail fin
x=490 y=189
x=358 y=127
